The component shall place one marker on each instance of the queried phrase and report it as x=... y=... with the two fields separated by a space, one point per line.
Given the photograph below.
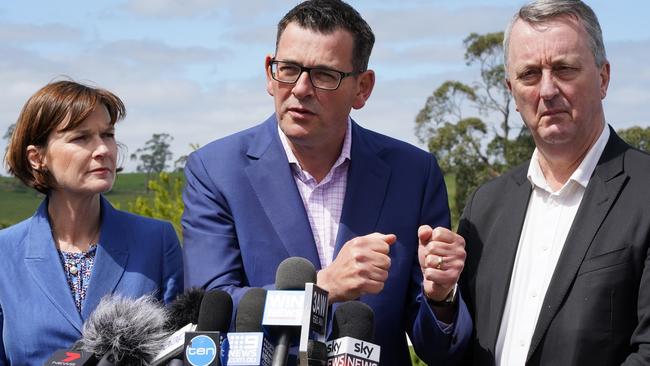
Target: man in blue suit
x=310 y=182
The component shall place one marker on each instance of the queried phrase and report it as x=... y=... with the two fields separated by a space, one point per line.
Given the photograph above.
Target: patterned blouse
x=77 y=268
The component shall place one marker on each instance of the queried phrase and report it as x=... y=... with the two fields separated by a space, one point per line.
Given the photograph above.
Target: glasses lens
x=325 y=79
x=285 y=72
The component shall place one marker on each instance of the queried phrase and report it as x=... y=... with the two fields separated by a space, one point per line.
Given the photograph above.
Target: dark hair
x=326 y=16
x=61 y=105
x=541 y=11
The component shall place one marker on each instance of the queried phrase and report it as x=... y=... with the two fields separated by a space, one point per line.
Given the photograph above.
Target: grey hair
x=541 y=11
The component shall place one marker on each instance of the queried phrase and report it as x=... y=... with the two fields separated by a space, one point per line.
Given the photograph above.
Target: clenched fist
x=442 y=257
x=361 y=267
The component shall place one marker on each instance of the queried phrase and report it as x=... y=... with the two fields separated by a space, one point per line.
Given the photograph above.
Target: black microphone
x=203 y=346
x=296 y=310
x=71 y=357
x=125 y=330
x=316 y=353
x=190 y=309
x=248 y=345
x=184 y=309
x=182 y=316
x=353 y=329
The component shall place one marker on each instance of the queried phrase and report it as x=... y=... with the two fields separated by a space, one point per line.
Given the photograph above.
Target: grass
x=17 y=202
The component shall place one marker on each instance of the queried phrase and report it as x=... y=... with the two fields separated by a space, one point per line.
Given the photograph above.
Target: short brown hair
x=327 y=16
x=61 y=105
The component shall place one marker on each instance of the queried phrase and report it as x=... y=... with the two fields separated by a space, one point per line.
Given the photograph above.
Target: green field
x=18 y=202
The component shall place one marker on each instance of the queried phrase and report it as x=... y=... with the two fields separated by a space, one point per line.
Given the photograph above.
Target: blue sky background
x=194 y=68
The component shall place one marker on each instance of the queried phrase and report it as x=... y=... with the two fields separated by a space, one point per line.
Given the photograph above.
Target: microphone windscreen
x=215 y=312
x=251 y=311
x=132 y=330
x=293 y=273
x=184 y=309
x=353 y=319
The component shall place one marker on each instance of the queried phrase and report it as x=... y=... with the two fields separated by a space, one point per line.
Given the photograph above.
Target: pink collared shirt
x=323 y=200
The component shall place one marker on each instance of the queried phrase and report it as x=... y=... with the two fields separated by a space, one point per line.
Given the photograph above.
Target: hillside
x=18 y=202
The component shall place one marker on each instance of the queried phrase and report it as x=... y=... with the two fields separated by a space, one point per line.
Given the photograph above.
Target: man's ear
x=35 y=157
x=604 y=79
x=509 y=86
x=267 y=71
x=365 y=84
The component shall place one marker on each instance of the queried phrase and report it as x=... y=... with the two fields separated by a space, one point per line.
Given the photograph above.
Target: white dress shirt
x=323 y=200
x=548 y=220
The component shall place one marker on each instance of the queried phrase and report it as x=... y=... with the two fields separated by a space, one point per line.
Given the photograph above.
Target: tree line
x=467 y=127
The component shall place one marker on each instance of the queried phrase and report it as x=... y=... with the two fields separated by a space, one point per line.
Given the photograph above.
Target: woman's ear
x=35 y=158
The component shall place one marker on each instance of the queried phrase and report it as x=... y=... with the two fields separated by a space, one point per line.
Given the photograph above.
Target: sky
x=195 y=68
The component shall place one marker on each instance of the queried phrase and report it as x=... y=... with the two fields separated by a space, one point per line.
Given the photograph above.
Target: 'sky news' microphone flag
x=353 y=328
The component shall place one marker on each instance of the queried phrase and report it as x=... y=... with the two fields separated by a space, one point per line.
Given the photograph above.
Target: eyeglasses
x=321 y=78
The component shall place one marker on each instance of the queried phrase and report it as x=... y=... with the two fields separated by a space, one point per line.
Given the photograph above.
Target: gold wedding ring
x=440 y=262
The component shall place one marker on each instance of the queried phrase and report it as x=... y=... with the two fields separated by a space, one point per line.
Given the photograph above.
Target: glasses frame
x=308 y=70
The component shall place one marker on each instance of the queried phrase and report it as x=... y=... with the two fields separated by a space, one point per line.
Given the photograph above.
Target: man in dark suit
x=557 y=248
x=310 y=182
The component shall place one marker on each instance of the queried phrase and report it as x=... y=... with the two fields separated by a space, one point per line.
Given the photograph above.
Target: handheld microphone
x=203 y=346
x=184 y=309
x=249 y=346
x=182 y=316
x=71 y=357
x=124 y=330
x=353 y=329
x=188 y=310
x=296 y=310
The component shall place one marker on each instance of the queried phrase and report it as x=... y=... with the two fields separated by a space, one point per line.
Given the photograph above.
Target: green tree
x=154 y=155
x=473 y=148
x=165 y=202
x=636 y=136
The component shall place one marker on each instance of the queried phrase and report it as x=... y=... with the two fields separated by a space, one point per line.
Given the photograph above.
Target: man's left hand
x=441 y=254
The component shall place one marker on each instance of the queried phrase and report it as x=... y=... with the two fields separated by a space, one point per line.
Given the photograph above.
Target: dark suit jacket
x=135 y=256
x=244 y=215
x=597 y=307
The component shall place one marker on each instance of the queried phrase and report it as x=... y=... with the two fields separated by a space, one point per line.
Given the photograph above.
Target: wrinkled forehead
x=560 y=36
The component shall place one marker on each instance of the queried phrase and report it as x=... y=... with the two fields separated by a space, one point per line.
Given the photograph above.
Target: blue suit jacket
x=244 y=215
x=135 y=256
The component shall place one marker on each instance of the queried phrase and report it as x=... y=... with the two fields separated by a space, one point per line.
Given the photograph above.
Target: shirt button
x=544 y=248
x=73 y=270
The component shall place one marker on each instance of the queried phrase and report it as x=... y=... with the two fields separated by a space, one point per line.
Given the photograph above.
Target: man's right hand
x=361 y=267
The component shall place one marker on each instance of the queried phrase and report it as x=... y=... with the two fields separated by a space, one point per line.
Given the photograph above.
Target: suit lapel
x=44 y=265
x=601 y=192
x=272 y=180
x=110 y=259
x=368 y=179
x=504 y=249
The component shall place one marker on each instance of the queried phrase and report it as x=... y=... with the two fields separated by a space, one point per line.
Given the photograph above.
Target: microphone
x=184 y=309
x=124 y=330
x=190 y=309
x=203 y=346
x=352 y=333
x=71 y=357
x=316 y=353
x=296 y=310
x=248 y=346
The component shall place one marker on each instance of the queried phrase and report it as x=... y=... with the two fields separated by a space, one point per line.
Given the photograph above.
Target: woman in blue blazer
x=58 y=264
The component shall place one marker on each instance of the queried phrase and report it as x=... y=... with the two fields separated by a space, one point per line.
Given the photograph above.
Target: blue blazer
x=135 y=256
x=244 y=215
